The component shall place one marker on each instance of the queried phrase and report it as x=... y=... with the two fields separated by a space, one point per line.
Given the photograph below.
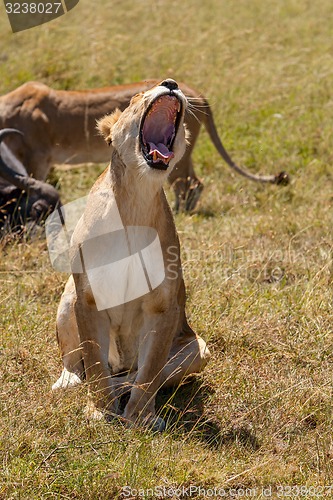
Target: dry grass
x=258 y=260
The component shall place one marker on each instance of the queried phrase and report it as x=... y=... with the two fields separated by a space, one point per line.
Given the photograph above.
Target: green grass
x=257 y=260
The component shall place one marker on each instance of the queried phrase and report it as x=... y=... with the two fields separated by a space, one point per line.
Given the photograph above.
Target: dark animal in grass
x=22 y=198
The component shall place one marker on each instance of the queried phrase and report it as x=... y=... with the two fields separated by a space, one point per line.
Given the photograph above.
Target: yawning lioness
x=125 y=330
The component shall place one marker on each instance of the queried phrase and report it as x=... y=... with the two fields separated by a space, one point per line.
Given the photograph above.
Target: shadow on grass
x=183 y=411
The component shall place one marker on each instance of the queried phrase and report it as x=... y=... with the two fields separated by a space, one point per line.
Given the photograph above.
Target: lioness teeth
x=160 y=153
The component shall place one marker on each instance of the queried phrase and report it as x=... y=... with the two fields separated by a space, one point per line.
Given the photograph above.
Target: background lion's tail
x=208 y=120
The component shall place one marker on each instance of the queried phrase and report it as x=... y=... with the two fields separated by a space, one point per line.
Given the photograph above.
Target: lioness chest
x=126 y=324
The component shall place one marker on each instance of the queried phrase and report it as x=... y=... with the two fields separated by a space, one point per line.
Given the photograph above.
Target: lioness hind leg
x=188 y=355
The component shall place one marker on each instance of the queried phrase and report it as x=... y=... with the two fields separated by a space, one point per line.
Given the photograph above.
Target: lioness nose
x=170 y=84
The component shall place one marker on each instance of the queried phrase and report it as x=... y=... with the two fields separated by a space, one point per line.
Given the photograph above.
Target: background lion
x=59 y=127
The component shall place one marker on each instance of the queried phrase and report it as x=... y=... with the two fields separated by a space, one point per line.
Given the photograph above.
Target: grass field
x=257 y=260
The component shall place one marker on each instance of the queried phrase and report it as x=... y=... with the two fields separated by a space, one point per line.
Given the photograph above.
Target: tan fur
x=148 y=338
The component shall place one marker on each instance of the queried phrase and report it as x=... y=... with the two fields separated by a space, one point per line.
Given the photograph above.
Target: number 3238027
x=304 y=491
x=33 y=8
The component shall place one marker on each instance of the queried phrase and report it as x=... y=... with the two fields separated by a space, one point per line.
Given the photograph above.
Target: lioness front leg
x=94 y=329
x=155 y=343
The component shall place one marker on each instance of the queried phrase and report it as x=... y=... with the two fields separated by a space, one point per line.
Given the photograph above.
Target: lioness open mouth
x=158 y=130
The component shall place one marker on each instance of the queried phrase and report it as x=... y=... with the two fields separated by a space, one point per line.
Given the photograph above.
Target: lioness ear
x=105 y=124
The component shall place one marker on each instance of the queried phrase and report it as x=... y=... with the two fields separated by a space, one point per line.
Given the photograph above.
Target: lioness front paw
x=66 y=379
x=156 y=424
x=91 y=412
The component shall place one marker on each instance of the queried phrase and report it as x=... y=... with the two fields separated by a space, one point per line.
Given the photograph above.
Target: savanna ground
x=257 y=259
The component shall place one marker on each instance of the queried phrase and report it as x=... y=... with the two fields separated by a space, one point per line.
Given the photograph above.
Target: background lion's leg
x=187 y=193
x=186 y=185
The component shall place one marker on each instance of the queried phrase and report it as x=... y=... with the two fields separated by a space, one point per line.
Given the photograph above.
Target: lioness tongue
x=160 y=152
